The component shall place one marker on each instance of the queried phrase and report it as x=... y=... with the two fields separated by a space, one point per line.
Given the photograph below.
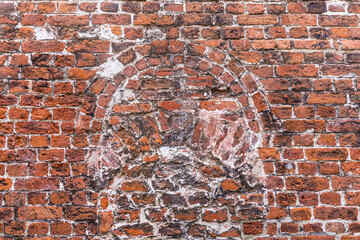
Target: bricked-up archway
x=181 y=123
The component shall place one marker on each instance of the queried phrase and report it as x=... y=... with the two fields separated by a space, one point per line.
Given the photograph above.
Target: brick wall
x=179 y=120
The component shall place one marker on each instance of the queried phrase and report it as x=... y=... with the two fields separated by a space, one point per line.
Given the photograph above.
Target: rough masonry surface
x=179 y=119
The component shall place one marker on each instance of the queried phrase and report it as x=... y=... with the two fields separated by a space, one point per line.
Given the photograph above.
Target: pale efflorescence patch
x=110 y=68
x=44 y=33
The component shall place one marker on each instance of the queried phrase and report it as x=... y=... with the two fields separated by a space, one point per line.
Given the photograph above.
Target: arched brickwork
x=181 y=125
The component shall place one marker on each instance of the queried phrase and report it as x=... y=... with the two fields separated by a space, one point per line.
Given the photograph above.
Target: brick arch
x=224 y=73
x=184 y=137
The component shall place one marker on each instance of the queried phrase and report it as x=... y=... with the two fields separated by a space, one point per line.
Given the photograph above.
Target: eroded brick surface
x=179 y=120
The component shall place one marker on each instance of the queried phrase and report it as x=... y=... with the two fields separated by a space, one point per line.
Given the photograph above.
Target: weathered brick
x=39 y=213
x=37 y=127
x=43 y=46
x=37 y=183
x=307 y=184
x=40 y=228
x=297 y=71
x=253 y=228
x=217 y=215
x=298 y=214
x=41 y=73
x=113 y=19
x=327 y=98
x=326 y=154
x=257 y=20
x=338 y=20
x=89 y=46
x=143 y=229
x=79 y=213
x=324 y=213
x=304 y=125
x=68 y=20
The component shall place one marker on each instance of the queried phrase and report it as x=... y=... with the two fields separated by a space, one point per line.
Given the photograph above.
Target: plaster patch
x=123 y=95
x=154 y=34
x=110 y=68
x=170 y=153
x=44 y=33
x=106 y=33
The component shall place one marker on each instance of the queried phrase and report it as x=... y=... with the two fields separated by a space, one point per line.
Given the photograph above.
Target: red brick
x=89 y=46
x=186 y=214
x=336 y=227
x=37 y=127
x=218 y=215
x=219 y=105
x=6 y=183
x=16 y=170
x=327 y=98
x=297 y=71
x=9 y=72
x=329 y=168
x=40 y=213
x=35 y=198
x=289 y=227
x=343 y=126
x=40 y=228
x=350 y=44
x=269 y=153
x=81 y=74
x=112 y=19
x=330 y=198
x=297 y=7
x=7 y=7
x=253 y=228
x=67 y=7
x=230 y=185
x=277 y=213
x=329 y=213
x=257 y=20
x=326 y=154
x=352 y=198
x=60 y=228
x=68 y=20
x=79 y=213
x=343 y=183
x=33 y=19
x=304 y=125
x=134 y=186
x=46 y=7
x=42 y=73
x=338 y=20
x=16 y=228
x=307 y=183
x=286 y=199
x=6 y=213
x=35 y=183
x=307 y=168
x=88 y=6
x=19 y=60
x=143 y=229
x=298 y=214
x=300 y=19
x=60 y=198
x=43 y=46
x=106 y=221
